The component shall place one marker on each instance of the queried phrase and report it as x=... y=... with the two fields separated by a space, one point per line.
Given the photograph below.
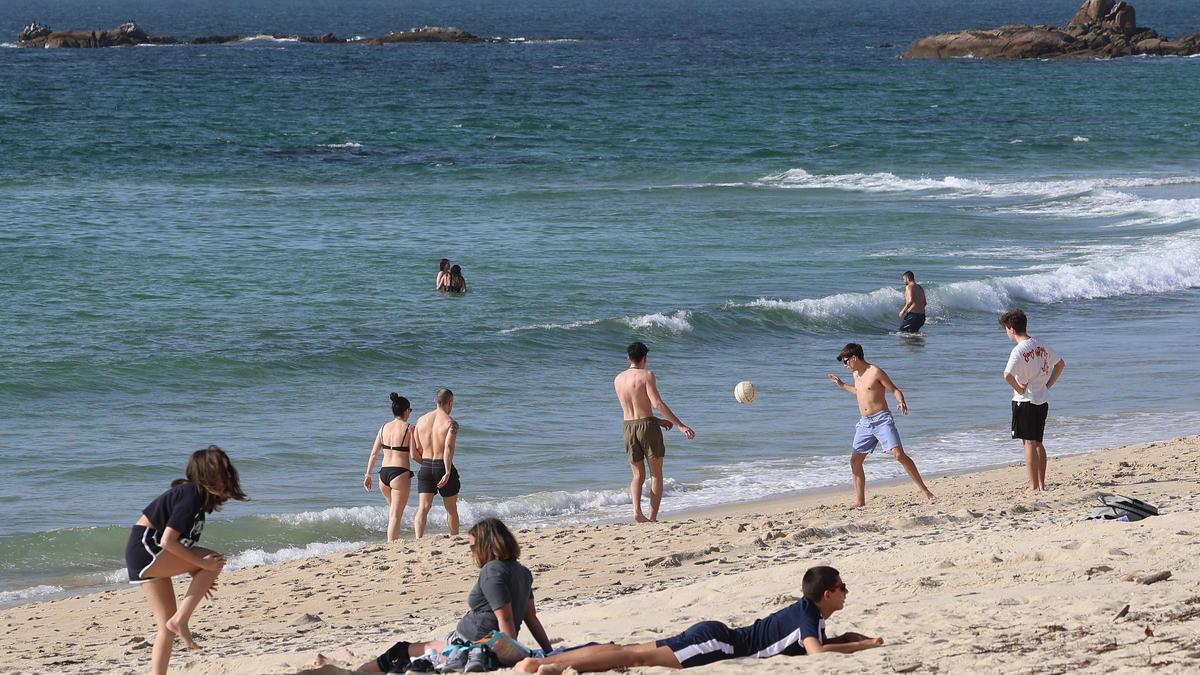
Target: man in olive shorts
x=637 y=390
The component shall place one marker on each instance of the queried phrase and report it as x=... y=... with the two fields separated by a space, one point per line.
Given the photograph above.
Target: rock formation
x=128 y=33
x=36 y=35
x=1099 y=29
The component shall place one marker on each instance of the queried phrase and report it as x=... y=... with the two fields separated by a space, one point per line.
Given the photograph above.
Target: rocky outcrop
x=127 y=34
x=430 y=34
x=36 y=35
x=1099 y=29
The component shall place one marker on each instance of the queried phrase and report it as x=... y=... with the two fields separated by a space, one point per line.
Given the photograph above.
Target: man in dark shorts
x=912 y=314
x=793 y=631
x=434 y=444
x=637 y=390
x=1032 y=368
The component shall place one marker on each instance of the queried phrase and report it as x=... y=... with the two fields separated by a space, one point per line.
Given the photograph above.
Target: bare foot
x=181 y=629
x=639 y=518
x=858 y=505
x=321 y=660
x=929 y=496
x=528 y=665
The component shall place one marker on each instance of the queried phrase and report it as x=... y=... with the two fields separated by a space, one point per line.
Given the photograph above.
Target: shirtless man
x=433 y=446
x=876 y=425
x=912 y=314
x=637 y=391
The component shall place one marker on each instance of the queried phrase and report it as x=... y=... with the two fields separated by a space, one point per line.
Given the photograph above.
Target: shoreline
x=630 y=582
x=836 y=495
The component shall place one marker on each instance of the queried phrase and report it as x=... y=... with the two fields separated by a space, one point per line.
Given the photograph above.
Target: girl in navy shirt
x=163 y=544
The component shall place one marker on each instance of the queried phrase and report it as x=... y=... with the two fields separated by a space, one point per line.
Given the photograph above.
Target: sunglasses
x=841 y=586
x=845 y=361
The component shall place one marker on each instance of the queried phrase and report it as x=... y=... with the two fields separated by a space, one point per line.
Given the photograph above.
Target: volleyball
x=745 y=392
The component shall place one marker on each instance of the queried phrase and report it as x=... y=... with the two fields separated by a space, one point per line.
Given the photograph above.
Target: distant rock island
x=129 y=34
x=1100 y=29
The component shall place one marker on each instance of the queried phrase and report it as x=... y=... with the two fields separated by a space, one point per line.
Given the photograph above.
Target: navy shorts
x=703 y=643
x=911 y=322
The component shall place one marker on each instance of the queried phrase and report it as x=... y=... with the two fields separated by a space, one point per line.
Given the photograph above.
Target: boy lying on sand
x=793 y=630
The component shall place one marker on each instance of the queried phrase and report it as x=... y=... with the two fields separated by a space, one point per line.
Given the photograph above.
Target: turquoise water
x=236 y=245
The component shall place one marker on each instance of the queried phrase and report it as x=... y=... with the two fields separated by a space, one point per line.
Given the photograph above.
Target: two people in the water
x=450 y=278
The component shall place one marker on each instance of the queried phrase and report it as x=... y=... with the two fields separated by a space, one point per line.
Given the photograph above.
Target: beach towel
x=1120 y=507
x=506 y=650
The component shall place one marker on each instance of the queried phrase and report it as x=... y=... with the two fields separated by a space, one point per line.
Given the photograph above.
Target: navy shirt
x=179 y=508
x=501 y=582
x=782 y=632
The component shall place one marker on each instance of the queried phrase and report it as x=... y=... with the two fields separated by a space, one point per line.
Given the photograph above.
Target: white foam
x=370 y=517
x=1162 y=264
x=254 y=557
x=1116 y=204
x=552 y=326
x=889 y=182
x=842 y=305
x=27 y=594
x=676 y=322
x=9 y=45
x=1080 y=139
x=348 y=144
x=864 y=182
x=267 y=38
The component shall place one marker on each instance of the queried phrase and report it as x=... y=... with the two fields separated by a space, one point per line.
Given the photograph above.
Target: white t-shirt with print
x=1031 y=362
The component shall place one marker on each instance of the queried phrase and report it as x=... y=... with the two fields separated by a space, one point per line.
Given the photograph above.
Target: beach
x=988 y=579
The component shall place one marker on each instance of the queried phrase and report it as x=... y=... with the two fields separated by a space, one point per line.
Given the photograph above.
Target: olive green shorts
x=643 y=438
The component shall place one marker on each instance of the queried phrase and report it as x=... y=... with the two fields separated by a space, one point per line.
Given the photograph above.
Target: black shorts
x=1029 y=420
x=911 y=322
x=705 y=642
x=431 y=473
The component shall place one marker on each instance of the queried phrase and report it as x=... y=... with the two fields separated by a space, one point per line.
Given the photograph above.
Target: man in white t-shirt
x=1033 y=367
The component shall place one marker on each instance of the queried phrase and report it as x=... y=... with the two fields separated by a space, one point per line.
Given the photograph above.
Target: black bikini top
x=403 y=447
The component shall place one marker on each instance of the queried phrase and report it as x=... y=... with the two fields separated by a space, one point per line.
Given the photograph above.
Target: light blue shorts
x=876 y=429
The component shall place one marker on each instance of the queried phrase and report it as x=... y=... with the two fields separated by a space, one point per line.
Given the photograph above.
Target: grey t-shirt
x=500 y=582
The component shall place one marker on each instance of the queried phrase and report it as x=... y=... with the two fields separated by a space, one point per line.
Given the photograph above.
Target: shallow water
x=236 y=245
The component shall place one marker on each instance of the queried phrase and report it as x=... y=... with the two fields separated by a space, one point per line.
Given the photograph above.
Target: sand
x=988 y=579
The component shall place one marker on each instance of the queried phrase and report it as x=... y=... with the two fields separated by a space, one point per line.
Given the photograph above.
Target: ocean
x=237 y=245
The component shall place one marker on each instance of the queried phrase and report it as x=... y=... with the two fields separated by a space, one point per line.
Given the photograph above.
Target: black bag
x=1119 y=507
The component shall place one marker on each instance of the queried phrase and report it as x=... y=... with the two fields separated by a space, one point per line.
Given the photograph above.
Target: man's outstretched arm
x=842 y=644
x=661 y=405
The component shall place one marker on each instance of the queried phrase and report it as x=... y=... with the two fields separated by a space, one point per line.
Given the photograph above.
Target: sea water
x=237 y=244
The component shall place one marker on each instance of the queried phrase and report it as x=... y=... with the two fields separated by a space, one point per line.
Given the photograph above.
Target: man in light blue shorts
x=877 y=426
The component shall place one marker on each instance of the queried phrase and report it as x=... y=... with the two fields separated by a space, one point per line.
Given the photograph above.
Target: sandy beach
x=987 y=579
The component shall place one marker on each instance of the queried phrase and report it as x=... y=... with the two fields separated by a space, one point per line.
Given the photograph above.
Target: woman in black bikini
x=395 y=478
x=457 y=283
x=163 y=545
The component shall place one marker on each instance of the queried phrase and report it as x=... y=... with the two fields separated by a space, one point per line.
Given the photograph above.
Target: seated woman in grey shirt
x=502 y=600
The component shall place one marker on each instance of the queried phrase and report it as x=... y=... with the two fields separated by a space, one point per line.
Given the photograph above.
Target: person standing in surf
x=395 y=476
x=1032 y=368
x=163 y=545
x=436 y=436
x=442 y=283
x=637 y=391
x=912 y=314
x=876 y=426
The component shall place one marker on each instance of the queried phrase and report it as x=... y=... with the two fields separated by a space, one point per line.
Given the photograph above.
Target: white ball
x=745 y=392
